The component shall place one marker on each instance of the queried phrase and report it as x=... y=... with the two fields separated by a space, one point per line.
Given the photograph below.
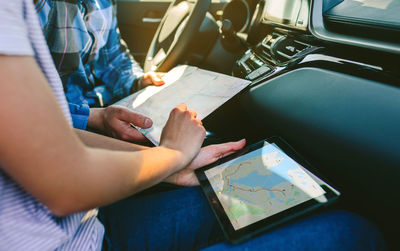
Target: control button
x=263 y=69
x=258 y=61
x=245 y=67
x=252 y=76
x=259 y=72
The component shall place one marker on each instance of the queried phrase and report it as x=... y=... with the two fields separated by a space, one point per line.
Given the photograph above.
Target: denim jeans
x=181 y=219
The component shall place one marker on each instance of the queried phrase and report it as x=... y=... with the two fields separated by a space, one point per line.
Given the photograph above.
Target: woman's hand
x=207 y=155
x=184 y=133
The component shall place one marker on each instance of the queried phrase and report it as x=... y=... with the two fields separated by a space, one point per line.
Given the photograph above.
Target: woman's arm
x=41 y=152
x=99 y=141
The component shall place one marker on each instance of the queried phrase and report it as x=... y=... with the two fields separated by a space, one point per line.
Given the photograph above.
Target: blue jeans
x=181 y=219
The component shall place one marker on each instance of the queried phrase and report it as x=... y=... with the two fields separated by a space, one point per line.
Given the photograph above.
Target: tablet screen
x=260 y=184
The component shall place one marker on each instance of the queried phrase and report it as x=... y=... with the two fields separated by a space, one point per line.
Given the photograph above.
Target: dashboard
x=287 y=22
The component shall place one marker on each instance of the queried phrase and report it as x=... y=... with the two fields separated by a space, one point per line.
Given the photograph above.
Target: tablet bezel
x=235 y=236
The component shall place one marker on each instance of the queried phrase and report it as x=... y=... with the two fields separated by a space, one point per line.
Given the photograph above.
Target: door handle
x=151 y=20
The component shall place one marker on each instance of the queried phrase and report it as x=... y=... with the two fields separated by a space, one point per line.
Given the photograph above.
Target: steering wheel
x=178 y=26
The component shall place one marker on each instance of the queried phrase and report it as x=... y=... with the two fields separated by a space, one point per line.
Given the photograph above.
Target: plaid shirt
x=93 y=61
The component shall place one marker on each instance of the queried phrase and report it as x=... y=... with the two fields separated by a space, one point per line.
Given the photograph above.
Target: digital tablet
x=260 y=187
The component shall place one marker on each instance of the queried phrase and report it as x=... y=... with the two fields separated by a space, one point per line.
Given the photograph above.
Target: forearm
x=77 y=178
x=103 y=177
x=43 y=154
x=99 y=141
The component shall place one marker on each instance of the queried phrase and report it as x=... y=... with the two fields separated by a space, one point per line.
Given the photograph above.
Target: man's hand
x=207 y=155
x=151 y=78
x=114 y=121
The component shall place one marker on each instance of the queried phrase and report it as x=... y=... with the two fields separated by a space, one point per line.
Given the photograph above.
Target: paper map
x=202 y=91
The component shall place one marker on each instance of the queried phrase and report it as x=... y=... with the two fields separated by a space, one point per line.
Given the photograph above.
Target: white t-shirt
x=25 y=223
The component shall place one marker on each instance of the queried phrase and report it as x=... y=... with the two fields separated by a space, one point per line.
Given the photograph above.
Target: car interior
x=325 y=77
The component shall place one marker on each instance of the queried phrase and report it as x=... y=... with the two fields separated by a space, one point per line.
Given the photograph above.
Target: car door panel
x=138 y=21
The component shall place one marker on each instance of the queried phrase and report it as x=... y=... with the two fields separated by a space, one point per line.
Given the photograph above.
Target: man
x=94 y=64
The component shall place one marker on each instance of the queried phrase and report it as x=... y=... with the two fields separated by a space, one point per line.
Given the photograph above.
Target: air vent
x=270 y=40
x=263 y=50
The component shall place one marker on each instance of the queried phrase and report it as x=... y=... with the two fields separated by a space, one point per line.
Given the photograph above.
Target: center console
x=275 y=52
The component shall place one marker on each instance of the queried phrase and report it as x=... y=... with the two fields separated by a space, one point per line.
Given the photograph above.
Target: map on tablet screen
x=260 y=184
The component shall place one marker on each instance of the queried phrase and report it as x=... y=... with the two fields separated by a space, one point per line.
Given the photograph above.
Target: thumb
x=222 y=150
x=135 y=118
x=212 y=153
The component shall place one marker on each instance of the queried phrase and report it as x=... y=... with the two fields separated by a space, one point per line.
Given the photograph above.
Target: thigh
x=334 y=230
x=179 y=219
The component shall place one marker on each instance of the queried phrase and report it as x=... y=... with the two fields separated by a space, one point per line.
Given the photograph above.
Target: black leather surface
x=347 y=127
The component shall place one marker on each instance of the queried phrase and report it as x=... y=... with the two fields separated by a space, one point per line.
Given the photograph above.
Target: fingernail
x=148 y=123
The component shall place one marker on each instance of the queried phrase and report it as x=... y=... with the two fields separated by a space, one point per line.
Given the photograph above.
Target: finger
x=160 y=74
x=156 y=78
x=222 y=150
x=182 y=107
x=134 y=118
x=145 y=80
x=133 y=135
x=226 y=154
x=193 y=113
x=122 y=130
